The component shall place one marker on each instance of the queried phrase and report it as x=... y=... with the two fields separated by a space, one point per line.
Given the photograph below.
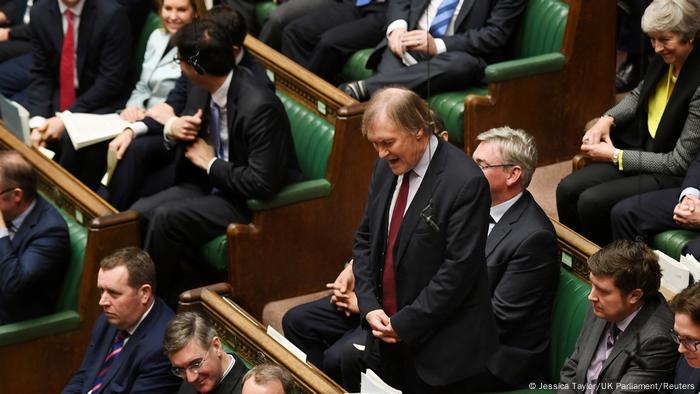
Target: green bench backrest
x=68 y=297
x=542 y=28
x=152 y=23
x=570 y=307
x=313 y=138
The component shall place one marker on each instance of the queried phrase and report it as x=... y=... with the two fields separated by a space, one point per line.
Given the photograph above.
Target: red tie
x=67 y=71
x=388 y=277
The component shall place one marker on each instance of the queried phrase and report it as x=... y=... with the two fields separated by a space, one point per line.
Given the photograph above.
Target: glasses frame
x=690 y=344
x=193 y=367
x=486 y=166
x=9 y=189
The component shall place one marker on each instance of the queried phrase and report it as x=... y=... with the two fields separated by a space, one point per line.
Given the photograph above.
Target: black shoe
x=627 y=76
x=356 y=90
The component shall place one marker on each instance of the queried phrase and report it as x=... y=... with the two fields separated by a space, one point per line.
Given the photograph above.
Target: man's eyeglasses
x=193 y=367
x=484 y=166
x=9 y=189
x=690 y=344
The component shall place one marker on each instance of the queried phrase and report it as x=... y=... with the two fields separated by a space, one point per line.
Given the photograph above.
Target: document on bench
x=88 y=129
x=286 y=343
x=693 y=266
x=370 y=382
x=674 y=275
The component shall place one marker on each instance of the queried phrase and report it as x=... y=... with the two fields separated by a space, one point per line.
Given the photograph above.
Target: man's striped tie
x=112 y=356
x=443 y=17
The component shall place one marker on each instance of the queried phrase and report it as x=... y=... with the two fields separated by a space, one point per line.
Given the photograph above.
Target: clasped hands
x=596 y=143
x=344 y=297
x=401 y=40
x=686 y=214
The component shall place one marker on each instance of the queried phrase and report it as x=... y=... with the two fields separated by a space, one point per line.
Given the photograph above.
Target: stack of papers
x=88 y=129
x=371 y=383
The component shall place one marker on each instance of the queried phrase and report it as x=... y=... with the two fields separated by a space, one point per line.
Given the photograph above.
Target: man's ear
x=635 y=296
x=145 y=293
x=514 y=176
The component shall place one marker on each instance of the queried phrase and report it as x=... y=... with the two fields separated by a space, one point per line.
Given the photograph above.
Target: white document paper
x=371 y=383
x=693 y=265
x=674 y=275
x=15 y=118
x=88 y=129
x=286 y=343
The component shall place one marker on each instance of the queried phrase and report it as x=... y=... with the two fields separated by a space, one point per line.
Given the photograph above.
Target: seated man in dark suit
x=268 y=379
x=686 y=333
x=323 y=40
x=34 y=244
x=14 y=30
x=125 y=354
x=232 y=143
x=146 y=167
x=625 y=338
x=440 y=43
x=642 y=216
x=198 y=357
x=80 y=68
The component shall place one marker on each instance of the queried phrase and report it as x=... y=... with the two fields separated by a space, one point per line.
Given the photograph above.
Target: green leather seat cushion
x=672 y=242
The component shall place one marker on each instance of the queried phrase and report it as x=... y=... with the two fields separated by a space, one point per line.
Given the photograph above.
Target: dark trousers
x=146 y=168
x=586 y=197
x=177 y=222
x=13 y=48
x=323 y=40
x=328 y=338
x=14 y=77
x=445 y=72
x=641 y=217
x=87 y=164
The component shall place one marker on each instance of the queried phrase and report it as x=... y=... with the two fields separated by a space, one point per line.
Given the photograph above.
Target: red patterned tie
x=388 y=277
x=112 y=356
x=67 y=71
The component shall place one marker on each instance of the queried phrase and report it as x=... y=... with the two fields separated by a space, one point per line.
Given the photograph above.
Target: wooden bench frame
x=555 y=106
x=53 y=359
x=248 y=338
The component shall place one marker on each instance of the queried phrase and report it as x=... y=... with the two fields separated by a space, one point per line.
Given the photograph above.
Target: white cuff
x=440 y=45
x=166 y=129
x=36 y=121
x=689 y=191
x=211 y=162
x=399 y=23
x=139 y=128
x=4 y=232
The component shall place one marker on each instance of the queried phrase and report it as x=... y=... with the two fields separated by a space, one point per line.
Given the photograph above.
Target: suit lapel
x=29 y=222
x=463 y=12
x=100 y=355
x=629 y=339
x=84 y=32
x=380 y=222
x=589 y=348
x=420 y=202
x=55 y=26
x=505 y=225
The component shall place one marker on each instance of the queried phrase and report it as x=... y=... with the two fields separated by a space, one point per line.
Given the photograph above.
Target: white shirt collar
x=499 y=210
x=230 y=367
x=76 y=9
x=240 y=55
x=132 y=330
x=220 y=96
x=622 y=324
x=422 y=167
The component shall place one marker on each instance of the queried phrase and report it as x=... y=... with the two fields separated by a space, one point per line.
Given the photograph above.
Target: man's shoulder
x=459 y=166
x=253 y=91
x=531 y=216
x=48 y=215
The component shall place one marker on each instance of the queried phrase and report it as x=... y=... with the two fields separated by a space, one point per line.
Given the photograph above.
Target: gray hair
x=679 y=16
x=517 y=147
x=264 y=373
x=183 y=328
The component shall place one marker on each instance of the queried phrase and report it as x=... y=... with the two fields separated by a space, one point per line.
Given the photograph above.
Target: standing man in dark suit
x=125 y=354
x=521 y=260
x=233 y=143
x=34 y=244
x=686 y=333
x=625 y=338
x=419 y=260
x=198 y=357
x=81 y=52
x=445 y=42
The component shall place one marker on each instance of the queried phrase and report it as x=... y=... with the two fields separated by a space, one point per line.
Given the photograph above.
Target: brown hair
x=15 y=171
x=403 y=107
x=688 y=302
x=632 y=265
x=185 y=327
x=264 y=373
x=138 y=264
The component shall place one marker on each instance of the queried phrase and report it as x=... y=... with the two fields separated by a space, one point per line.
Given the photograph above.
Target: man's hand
x=419 y=41
x=345 y=302
x=49 y=131
x=381 y=326
x=121 y=142
x=602 y=151
x=686 y=214
x=344 y=297
x=186 y=128
x=161 y=112
x=4 y=34
x=3 y=17
x=395 y=45
x=132 y=114
x=200 y=153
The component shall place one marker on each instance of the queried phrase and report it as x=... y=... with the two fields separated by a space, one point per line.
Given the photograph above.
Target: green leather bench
x=672 y=242
x=66 y=317
x=313 y=140
x=570 y=307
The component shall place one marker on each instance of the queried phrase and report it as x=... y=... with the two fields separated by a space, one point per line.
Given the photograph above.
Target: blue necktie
x=362 y=3
x=215 y=129
x=443 y=17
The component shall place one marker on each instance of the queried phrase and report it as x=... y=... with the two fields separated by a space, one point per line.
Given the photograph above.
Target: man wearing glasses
x=198 y=357
x=624 y=344
x=34 y=246
x=686 y=333
x=125 y=354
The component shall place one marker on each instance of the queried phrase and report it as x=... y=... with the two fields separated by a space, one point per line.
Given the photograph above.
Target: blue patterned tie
x=112 y=356
x=443 y=17
x=215 y=130
x=362 y=3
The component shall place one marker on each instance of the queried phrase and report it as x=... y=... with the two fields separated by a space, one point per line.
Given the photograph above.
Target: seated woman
x=648 y=140
x=158 y=76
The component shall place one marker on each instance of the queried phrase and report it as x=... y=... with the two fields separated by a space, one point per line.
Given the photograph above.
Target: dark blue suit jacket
x=444 y=310
x=33 y=265
x=103 y=58
x=142 y=366
x=688 y=376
